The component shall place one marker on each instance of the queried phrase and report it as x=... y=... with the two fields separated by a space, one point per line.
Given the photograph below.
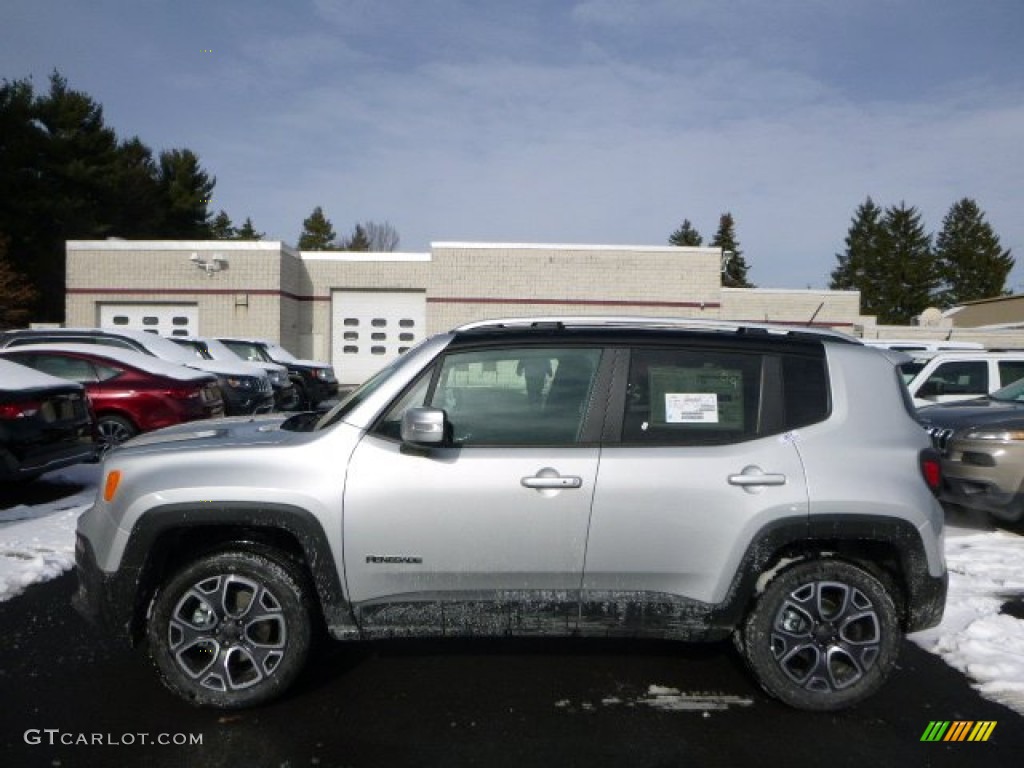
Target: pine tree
x=909 y=276
x=134 y=203
x=686 y=235
x=221 y=227
x=972 y=264
x=187 y=191
x=248 y=232
x=61 y=176
x=359 y=241
x=858 y=268
x=317 y=232
x=734 y=271
x=65 y=176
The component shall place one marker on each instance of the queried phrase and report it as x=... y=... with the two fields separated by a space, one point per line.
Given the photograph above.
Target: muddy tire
x=231 y=630
x=823 y=635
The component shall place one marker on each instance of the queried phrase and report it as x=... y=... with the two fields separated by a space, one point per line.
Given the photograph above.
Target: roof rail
x=641 y=321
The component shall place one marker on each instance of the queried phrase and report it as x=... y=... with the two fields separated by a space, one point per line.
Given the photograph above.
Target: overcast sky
x=597 y=121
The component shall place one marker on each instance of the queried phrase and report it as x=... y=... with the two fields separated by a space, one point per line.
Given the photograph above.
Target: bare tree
x=383 y=236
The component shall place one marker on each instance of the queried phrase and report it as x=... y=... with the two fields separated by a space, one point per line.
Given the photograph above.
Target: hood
x=982 y=411
x=210 y=433
x=309 y=363
x=228 y=368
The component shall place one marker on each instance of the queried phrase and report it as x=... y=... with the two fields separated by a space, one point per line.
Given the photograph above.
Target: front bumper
x=286 y=398
x=245 y=403
x=985 y=476
x=107 y=601
x=928 y=602
x=983 y=496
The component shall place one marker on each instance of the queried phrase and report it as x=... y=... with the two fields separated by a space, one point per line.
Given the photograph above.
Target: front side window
x=525 y=396
x=519 y=396
x=692 y=396
x=967 y=377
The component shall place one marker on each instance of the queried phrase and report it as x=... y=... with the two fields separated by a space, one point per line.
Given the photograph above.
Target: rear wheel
x=231 y=630
x=823 y=635
x=114 y=430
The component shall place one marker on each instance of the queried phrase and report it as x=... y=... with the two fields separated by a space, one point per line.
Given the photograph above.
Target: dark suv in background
x=286 y=396
x=314 y=381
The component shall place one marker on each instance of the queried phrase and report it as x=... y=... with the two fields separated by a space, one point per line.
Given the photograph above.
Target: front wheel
x=231 y=630
x=823 y=635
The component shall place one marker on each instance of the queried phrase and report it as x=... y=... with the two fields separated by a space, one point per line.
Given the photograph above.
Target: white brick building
x=360 y=310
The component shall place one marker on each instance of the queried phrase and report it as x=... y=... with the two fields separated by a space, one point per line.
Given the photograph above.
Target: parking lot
x=71 y=699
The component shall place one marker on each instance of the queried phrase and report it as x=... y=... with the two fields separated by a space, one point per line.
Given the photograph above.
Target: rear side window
x=805 y=390
x=1010 y=371
x=71 y=368
x=692 y=396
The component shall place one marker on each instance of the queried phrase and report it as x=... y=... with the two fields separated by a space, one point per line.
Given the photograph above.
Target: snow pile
x=37 y=542
x=666 y=699
x=986 y=572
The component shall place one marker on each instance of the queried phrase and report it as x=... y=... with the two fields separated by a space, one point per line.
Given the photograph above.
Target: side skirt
x=535 y=614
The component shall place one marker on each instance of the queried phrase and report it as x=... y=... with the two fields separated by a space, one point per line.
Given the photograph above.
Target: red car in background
x=130 y=392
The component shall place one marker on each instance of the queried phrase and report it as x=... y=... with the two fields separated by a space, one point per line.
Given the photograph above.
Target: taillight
x=931 y=470
x=22 y=410
x=183 y=393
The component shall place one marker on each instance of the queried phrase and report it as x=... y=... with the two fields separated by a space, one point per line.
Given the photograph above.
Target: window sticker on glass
x=691 y=408
x=706 y=395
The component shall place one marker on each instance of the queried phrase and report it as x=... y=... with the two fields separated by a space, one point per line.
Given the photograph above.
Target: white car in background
x=946 y=377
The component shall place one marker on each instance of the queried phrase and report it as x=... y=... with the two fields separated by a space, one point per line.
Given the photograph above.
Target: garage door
x=369 y=329
x=162 y=319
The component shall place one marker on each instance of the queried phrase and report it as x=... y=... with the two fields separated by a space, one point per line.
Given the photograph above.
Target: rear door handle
x=754 y=477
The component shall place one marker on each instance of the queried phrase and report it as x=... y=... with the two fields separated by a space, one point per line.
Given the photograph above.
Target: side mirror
x=424 y=426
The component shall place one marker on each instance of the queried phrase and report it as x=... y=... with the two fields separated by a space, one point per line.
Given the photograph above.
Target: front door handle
x=550 y=479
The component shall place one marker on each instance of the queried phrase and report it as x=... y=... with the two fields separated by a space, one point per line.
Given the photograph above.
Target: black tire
x=113 y=430
x=212 y=648
x=823 y=635
x=305 y=402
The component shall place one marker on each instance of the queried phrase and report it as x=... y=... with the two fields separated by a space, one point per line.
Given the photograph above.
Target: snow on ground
x=37 y=542
x=986 y=574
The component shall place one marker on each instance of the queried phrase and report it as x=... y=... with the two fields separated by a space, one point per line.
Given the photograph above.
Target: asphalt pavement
x=70 y=699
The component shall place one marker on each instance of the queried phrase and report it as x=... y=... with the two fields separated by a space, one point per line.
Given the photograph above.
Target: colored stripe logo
x=958 y=730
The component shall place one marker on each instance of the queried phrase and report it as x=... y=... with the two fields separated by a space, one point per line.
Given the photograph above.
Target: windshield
x=1011 y=393
x=193 y=346
x=219 y=351
x=248 y=351
x=280 y=354
x=337 y=413
x=911 y=369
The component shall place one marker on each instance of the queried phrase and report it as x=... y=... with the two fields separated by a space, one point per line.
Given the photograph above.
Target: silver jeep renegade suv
x=574 y=476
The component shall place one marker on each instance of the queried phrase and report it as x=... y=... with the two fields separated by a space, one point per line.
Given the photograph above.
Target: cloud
x=595 y=121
